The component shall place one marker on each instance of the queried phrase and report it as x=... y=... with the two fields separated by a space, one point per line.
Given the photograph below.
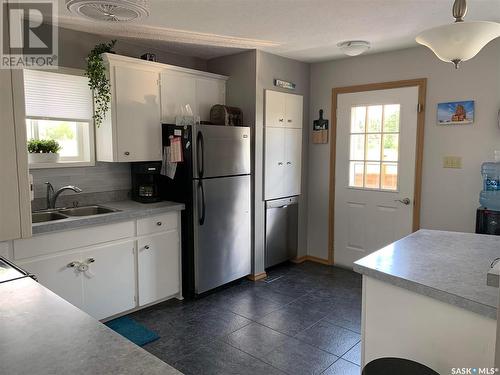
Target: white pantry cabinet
x=282 y=145
x=144 y=95
x=283 y=162
x=119 y=274
x=283 y=109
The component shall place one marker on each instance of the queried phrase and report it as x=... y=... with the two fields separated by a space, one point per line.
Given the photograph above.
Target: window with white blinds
x=59 y=107
x=55 y=95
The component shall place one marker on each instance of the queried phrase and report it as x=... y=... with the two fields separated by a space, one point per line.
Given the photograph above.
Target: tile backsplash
x=109 y=181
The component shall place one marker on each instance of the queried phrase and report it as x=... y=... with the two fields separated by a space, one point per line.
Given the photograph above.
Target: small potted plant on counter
x=43 y=151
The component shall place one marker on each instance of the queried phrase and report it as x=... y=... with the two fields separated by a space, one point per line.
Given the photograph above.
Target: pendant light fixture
x=461 y=40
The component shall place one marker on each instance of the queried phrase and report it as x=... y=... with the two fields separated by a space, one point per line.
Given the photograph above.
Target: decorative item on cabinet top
x=225 y=115
x=284 y=84
x=320 y=129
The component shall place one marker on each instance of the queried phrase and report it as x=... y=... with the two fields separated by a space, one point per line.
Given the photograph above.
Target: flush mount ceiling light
x=461 y=40
x=354 y=47
x=109 y=10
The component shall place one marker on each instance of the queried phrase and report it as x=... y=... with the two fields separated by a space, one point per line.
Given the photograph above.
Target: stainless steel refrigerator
x=213 y=181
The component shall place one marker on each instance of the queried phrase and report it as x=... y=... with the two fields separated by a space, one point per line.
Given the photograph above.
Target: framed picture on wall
x=456 y=113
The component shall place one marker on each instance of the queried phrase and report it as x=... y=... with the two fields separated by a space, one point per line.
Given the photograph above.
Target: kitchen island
x=40 y=333
x=425 y=298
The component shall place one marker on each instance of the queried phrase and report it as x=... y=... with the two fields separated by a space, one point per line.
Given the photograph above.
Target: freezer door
x=221 y=151
x=222 y=231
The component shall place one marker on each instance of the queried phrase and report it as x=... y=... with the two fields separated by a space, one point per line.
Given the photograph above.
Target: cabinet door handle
x=72 y=265
x=127 y=153
x=146 y=247
x=280 y=163
x=288 y=163
x=90 y=260
x=159 y=223
x=281 y=120
x=289 y=120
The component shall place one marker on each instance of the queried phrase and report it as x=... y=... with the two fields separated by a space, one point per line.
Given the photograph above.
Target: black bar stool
x=396 y=366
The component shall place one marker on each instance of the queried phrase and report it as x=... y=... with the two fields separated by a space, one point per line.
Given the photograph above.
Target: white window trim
x=19 y=81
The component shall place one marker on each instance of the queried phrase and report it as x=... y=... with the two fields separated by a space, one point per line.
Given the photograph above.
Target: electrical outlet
x=452 y=162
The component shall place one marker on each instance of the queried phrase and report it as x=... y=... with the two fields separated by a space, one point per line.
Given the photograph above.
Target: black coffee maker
x=146 y=182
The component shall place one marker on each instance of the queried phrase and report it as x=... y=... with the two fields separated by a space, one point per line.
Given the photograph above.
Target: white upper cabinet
x=144 y=95
x=137 y=114
x=177 y=90
x=209 y=91
x=201 y=93
x=283 y=109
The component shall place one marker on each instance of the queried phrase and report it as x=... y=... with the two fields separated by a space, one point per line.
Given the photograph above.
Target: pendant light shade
x=461 y=40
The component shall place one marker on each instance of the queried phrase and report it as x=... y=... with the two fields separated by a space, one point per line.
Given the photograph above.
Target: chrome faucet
x=52 y=196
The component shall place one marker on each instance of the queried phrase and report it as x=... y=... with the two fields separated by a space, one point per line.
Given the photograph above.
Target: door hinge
x=420 y=107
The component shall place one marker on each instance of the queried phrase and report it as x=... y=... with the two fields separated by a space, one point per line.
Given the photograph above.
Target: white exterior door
x=374 y=170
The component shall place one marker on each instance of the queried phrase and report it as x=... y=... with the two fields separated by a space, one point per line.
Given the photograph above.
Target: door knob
x=127 y=153
x=405 y=201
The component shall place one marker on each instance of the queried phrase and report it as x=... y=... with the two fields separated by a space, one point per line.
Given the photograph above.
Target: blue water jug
x=490 y=195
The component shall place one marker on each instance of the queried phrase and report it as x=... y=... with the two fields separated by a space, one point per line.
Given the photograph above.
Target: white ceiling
x=306 y=30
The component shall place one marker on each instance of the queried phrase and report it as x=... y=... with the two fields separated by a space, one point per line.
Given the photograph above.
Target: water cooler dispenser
x=488 y=215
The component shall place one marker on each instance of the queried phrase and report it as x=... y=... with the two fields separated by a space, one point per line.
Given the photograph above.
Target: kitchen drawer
x=156 y=224
x=72 y=239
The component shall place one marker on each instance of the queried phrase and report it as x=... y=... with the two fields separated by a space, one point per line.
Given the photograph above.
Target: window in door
x=374 y=147
x=59 y=107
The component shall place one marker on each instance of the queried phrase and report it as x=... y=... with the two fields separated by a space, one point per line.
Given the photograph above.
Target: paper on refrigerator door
x=168 y=168
x=175 y=150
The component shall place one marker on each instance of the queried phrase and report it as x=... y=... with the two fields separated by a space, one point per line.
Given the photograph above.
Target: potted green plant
x=98 y=80
x=43 y=151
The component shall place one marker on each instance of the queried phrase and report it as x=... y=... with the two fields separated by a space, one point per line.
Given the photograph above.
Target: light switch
x=452 y=162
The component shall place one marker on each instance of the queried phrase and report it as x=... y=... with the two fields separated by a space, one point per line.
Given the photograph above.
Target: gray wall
x=74 y=47
x=449 y=196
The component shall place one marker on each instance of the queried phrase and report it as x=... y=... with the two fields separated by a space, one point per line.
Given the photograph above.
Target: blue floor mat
x=130 y=329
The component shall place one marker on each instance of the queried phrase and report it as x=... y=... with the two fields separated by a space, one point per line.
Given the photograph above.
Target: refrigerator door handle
x=201 y=218
x=200 y=158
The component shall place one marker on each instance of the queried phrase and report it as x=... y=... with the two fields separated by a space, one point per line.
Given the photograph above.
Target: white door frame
x=421 y=83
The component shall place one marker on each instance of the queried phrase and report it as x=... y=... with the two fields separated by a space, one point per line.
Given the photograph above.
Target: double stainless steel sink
x=64 y=213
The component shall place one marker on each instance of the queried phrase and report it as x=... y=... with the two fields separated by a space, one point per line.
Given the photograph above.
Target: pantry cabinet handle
x=159 y=223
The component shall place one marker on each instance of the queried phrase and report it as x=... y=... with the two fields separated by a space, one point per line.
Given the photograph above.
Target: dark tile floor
x=304 y=319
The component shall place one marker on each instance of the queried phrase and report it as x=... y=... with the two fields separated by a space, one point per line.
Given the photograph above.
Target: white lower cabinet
x=158 y=267
x=109 y=285
x=55 y=274
x=105 y=279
